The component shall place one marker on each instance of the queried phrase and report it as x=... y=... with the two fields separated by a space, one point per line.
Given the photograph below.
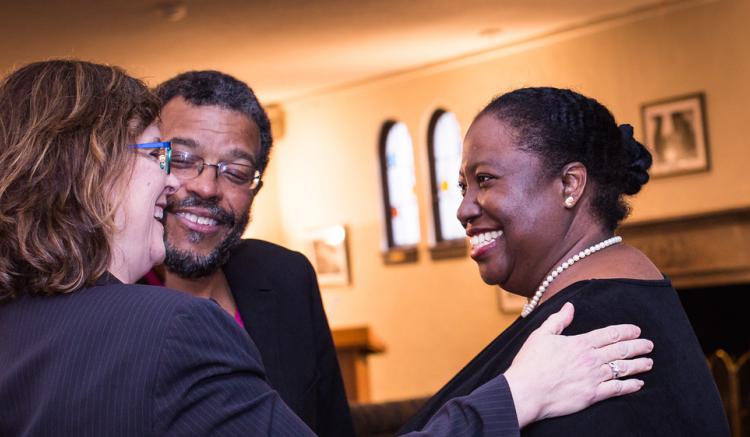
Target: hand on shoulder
x=555 y=375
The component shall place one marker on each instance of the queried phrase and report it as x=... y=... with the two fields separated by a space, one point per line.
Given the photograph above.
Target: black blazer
x=136 y=360
x=277 y=295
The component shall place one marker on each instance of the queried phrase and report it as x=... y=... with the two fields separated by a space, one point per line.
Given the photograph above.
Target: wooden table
x=353 y=346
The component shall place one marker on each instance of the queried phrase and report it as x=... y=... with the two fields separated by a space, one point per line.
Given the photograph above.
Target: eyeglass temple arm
x=154 y=145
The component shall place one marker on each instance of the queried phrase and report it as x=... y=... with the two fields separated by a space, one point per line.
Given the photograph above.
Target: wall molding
x=700 y=250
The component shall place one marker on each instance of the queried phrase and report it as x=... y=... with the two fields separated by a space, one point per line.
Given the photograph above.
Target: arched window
x=444 y=150
x=399 y=192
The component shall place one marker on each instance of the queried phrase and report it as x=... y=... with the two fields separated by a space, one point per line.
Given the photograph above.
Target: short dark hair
x=214 y=88
x=562 y=126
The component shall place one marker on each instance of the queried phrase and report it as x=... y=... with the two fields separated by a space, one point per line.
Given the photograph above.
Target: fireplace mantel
x=698 y=250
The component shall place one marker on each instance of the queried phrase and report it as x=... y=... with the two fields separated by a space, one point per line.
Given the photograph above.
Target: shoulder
x=259 y=250
x=600 y=302
x=141 y=307
x=664 y=406
x=601 y=291
x=254 y=247
x=130 y=322
x=254 y=258
x=128 y=296
x=188 y=326
x=604 y=289
x=201 y=324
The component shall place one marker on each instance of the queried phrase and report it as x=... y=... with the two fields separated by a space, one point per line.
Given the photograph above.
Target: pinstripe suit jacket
x=133 y=360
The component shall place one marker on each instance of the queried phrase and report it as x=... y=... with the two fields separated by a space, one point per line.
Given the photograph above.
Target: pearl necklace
x=529 y=307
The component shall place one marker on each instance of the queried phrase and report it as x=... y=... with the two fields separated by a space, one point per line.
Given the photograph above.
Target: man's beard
x=188 y=264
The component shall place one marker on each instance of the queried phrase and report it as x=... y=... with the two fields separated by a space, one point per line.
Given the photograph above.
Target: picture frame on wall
x=509 y=303
x=675 y=132
x=330 y=255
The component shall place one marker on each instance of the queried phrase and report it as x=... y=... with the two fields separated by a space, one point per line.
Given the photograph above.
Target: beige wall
x=435 y=316
x=266 y=224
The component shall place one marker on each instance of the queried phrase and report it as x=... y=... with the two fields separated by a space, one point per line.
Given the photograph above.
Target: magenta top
x=238 y=318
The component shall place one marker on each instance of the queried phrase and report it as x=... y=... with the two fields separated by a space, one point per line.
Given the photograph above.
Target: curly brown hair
x=64 y=130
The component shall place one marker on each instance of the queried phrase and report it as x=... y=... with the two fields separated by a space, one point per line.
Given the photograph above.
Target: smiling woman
x=65 y=167
x=82 y=194
x=544 y=174
x=139 y=237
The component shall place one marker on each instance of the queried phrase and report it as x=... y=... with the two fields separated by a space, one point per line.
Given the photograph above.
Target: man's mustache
x=214 y=210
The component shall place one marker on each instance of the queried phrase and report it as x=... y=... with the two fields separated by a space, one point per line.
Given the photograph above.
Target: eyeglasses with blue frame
x=164 y=153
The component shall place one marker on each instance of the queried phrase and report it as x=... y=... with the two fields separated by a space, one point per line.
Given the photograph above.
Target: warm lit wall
x=434 y=316
x=266 y=224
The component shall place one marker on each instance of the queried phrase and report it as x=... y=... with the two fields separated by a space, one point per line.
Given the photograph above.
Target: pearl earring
x=569 y=202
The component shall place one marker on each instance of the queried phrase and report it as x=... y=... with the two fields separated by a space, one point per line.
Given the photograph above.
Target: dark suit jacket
x=135 y=360
x=132 y=360
x=277 y=295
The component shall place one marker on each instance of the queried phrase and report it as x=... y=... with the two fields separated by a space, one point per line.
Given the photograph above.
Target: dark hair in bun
x=562 y=126
x=638 y=157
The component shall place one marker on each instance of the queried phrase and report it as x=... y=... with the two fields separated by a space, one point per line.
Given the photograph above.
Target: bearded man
x=221 y=140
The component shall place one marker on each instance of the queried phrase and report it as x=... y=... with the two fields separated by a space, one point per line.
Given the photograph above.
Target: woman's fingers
x=624 y=368
x=625 y=349
x=557 y=322
x=616 y=387
x=609 y=335
x=615 y=359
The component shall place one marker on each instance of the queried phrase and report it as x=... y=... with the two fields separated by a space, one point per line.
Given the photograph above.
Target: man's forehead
x=208 y=126
x=179 y=112
x=224 y=149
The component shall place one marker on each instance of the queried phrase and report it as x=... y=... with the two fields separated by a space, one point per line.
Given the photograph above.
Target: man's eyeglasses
x=163 y=152
x=188 y=166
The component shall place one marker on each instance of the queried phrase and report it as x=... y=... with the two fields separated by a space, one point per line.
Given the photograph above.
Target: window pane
x=447 y=152
x=404 y=211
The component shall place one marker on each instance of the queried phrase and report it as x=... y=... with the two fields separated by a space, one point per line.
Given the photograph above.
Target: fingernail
x=650 y=345
x=640 y=383
x=650 y=363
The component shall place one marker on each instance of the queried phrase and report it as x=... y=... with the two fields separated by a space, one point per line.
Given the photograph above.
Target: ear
x=574 y=177
x=256 y=189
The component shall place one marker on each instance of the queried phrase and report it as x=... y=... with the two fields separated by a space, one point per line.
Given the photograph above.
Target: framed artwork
x=675 y=133
x=329 y=248
x=509 y=303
